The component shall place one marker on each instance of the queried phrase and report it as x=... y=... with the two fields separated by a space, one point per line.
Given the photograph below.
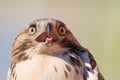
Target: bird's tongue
x=44 y=38
x=48 y=40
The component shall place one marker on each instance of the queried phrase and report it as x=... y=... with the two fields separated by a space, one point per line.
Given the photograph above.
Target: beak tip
x=48 y=28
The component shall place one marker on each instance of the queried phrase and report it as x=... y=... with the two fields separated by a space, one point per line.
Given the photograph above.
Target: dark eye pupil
x=32 y=30
x=62 y=30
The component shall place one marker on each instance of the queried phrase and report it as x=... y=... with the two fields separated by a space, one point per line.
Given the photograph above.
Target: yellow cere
x=45 y=24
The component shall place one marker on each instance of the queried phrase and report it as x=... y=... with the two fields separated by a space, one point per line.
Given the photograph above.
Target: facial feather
x=62 y=57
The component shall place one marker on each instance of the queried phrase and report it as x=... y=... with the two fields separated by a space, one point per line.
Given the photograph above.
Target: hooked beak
x=48 y=27
x=46 y=36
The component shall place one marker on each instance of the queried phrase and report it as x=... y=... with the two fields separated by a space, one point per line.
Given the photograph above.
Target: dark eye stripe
x=33 y=25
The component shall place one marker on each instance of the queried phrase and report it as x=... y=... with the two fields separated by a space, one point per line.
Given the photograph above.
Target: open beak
x=47 y=36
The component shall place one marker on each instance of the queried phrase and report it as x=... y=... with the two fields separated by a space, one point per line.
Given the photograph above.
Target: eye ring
x=62 y=30
x=32 y=29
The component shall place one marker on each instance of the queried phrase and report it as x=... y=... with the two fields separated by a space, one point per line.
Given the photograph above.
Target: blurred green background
x=95 y=23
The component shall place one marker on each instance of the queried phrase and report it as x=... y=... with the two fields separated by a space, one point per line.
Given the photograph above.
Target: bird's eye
x=62 y=30
x=32 y=29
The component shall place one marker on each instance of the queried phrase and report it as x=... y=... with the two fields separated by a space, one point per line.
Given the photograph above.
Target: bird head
x=49 y=31
x=51 y=34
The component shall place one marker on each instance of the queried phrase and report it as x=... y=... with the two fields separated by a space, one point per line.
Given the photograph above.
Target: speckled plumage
x=47 y=50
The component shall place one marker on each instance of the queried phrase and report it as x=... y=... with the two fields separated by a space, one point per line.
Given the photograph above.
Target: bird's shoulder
x=91 y=70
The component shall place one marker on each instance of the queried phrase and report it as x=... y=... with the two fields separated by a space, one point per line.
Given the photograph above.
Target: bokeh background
x=95 y=23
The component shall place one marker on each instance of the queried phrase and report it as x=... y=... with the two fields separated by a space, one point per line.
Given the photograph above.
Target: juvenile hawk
x=47 y=50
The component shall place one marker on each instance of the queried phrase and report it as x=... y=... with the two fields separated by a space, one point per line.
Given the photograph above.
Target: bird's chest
x=45 y=67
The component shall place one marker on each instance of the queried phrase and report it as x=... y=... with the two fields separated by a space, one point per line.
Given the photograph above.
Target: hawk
x=47 y=50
